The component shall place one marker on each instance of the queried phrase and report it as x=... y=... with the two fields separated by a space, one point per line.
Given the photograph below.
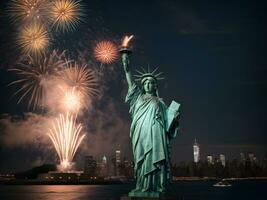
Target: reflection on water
x=192 y=190
x=63 y=192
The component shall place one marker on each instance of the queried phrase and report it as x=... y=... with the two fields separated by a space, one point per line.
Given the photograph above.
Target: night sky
x=213 y=57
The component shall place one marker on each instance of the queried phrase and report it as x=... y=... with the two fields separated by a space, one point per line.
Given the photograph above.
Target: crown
x=143 y=74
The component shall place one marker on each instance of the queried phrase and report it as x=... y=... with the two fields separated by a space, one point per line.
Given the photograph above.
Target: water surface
x=191 y=190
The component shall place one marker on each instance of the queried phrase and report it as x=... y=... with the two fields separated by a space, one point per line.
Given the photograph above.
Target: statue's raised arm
x=125 y=52
x=126 y=67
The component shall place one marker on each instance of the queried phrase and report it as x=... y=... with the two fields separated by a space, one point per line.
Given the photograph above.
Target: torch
x=125 y=51
x=124 y=46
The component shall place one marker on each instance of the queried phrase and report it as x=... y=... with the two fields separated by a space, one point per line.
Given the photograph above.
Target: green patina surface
x=152 y=128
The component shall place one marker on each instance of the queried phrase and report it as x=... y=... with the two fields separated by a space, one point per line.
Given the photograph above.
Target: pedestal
x=148 y=198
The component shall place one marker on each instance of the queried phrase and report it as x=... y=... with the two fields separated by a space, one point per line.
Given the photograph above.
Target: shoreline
x=85 y=182
x=62 y=182
x=216 y=178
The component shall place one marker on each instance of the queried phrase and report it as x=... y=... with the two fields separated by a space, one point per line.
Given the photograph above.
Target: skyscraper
x=117 y=161
x=210 y=159
x=222 y=159
x=104 y=160
x=90 y=166
x=251 y=157
x=104 y=167
x=196 y=152
x=242 y=157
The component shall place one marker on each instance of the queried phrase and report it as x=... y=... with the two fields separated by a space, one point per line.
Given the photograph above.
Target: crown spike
x=154 y=70
x=144 y=71
x=137 y=75
x=157 y=75
x=139 y=72
x=148 y=68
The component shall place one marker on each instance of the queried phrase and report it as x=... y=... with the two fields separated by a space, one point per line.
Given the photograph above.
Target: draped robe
x=150 y=141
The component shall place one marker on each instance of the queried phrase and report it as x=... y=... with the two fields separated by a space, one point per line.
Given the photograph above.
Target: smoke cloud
x=30 y=128
x=107 y=130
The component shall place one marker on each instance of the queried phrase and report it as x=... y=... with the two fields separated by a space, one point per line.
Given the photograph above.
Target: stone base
x=145 y=194
x=134 y=195
x=148 y=198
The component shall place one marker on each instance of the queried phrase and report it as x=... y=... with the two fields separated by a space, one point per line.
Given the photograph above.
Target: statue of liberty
x=152 y=128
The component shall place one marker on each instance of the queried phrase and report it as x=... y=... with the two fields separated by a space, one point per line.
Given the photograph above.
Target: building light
x=196 y=152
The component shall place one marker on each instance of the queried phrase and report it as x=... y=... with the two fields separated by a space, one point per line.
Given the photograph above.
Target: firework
x=66 y=14
x=81 y=85
x=28 y=11
x=66 y=137
x=72 y=100
x=34 y=74
x=106 y=52
x=33 y=39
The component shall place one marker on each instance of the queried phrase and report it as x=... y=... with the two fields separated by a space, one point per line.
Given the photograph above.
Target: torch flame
x=126 y=40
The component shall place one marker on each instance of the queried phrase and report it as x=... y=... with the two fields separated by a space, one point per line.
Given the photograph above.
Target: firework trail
x=66 y=14
x=34 y=73
x=66 y=137
x=106 y=52
x=28 y=11
x=33 y=39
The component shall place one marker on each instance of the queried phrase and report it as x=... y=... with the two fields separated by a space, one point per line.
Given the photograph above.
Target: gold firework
x=81 y=85
x=66 y=14
x=80 y=77
x=27 y=11
x=106 y=52
x=33 y=39
x=66 y=137
x=72 y=100
x=34 y=75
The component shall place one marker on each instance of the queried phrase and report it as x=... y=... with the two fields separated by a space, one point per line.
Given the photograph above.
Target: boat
x=222 y=183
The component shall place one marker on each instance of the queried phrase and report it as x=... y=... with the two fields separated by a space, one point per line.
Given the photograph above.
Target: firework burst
x=66 y=14
x=66 y=137
x=33 y=39
x=28 y=11
x=106 y=52
x=34 y=73
x=72 y=100
x=81 y=85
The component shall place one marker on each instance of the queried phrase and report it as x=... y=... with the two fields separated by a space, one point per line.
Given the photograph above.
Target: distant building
x=90 y=166
x=104 y=160
x=210 y=159
x=242 y=157
x=117 y=161
x=251 y=157
x=60 y=176
x=112 y=166
x=127 y=168
x=222 y=159
x=196 y=152
x=103 y=167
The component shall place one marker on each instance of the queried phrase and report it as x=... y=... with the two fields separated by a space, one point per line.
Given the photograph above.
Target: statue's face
x=150 y=86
